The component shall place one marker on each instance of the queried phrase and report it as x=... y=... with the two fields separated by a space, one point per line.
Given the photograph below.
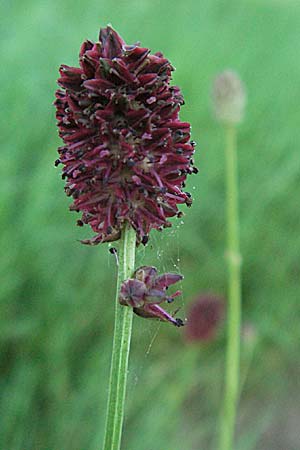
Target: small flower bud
x=229 y=98
x=147 y=290
x=204 y=317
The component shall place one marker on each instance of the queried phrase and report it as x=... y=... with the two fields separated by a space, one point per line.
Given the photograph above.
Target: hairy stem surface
x=121 y=345
x=232 y=363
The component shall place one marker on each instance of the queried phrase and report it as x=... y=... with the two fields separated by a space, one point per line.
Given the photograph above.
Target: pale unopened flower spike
x=229 y=98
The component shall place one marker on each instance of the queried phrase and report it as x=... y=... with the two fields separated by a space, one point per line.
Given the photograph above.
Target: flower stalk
x=232 y=364
x=121 y=345
x=229 y=101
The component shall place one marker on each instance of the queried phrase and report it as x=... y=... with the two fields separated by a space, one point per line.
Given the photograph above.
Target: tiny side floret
x=147 y=290
x=126 y=154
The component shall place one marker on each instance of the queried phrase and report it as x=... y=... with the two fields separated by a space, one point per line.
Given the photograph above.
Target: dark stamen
x=179 y=323
x=145 y=239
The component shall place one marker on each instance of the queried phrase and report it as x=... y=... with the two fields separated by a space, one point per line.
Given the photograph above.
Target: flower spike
x=126 y=154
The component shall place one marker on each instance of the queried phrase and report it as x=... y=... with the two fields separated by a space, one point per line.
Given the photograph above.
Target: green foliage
x=56 y=308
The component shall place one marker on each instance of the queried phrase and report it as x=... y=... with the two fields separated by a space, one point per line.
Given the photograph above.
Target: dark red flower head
x=204 y=316
x=147 y=290
x=126 y=154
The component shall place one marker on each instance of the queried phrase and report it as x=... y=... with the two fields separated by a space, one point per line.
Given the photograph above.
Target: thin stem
x=232 y=364
x=121 y=346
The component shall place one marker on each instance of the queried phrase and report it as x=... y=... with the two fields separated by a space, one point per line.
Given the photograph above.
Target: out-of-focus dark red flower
x=147 y=290
x=204 y=316
x=126 y=154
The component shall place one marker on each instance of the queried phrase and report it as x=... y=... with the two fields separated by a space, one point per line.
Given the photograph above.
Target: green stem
x=121 y=345
x=232 y=364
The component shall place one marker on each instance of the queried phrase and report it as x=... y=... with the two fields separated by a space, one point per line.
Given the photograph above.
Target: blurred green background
x=57 y=295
